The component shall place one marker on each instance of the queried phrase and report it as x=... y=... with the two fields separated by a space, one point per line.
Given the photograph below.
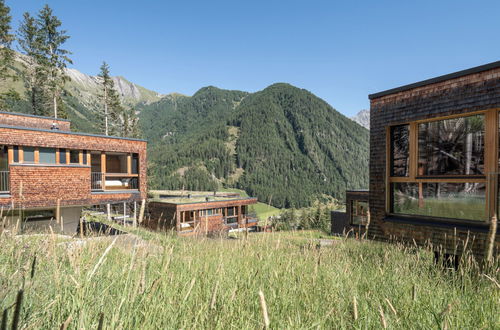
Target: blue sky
x=339 y=50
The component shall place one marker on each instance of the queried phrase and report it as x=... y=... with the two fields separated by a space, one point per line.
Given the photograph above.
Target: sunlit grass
x=172 y=282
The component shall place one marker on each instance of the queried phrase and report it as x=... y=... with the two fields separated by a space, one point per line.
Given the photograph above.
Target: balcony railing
x=4 y=182
x=96 y=181
x=113 y=181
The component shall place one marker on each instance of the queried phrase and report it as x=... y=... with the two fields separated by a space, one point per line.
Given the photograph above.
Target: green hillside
x=283 y=144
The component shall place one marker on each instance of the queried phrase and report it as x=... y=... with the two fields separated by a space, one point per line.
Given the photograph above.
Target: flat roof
x=32 y=116
x=438 y=79
x=184 y=197
x=68 y=132
x=197 y=200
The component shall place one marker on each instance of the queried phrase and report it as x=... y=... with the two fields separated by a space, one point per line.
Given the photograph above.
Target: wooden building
x=48 y=173
x=191 y=213
x=355 y=218
x=434 y=161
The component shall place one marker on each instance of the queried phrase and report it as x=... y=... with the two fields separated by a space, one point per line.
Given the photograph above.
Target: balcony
x=113 y=181
x=4 y=182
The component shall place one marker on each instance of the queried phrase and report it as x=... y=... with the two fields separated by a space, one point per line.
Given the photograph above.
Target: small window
x=62 y=156
x=135 y=163
x=359 y=213
x=16 y=154
x=4 y=159
x=231 y=220
x=84 y=157
x=29 y=154
x=74 y=156
x=47 y=155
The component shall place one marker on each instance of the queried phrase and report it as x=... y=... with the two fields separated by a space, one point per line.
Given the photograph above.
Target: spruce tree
x=6 y=38
x=110 y=101
x=29 y=44
x=53 y=59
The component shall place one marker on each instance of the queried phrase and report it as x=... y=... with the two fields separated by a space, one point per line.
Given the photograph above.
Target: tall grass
x=277 y=279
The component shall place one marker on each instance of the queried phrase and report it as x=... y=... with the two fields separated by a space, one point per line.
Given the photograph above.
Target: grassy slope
x=214 y=283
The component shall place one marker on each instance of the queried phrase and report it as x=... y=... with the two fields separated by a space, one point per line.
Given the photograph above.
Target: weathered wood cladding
x=477 y=91
x=169 y=216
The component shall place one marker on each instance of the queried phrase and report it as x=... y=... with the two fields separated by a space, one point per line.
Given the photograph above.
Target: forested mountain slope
x=282 y=144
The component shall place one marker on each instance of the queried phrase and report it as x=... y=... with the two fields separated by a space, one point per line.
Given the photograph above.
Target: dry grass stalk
x=263 y=307
x=214 y=295
x=490 y=243
x=391 y=307
x=354 y=308
x=382 y=318
x=492 y=280
x=66 y=323
x=414 y=292
x=101 y=260
x=444 y=313
x=189 y=290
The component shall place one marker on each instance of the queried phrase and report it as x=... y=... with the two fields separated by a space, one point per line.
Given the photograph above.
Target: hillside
x=283 y=144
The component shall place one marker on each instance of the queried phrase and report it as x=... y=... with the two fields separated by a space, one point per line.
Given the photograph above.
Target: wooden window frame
x=491 y=164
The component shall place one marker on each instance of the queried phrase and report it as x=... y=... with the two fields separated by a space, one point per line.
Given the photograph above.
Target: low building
x=191 y=213
x=434 y=161
x=354 y=219
x=49 y=173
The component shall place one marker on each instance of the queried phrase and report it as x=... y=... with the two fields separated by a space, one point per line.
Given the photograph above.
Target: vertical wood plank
x=57 y=156
x=10 y=154
x=129 y=164
x=37 y=156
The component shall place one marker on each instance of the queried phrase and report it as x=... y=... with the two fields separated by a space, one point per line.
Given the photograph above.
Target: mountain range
x=283 y=144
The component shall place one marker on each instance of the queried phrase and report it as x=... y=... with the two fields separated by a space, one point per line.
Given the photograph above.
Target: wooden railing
x=4 y=182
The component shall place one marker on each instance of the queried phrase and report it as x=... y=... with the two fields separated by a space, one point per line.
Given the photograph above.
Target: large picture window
x=452 y=146
x=437 y=169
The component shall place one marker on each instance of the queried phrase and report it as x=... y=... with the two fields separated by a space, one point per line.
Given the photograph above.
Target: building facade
x=48 y=173
x=198 y=213
x=434 y=161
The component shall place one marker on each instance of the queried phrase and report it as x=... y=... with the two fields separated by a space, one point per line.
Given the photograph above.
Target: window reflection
x=400 y=150
x=452 y=146
x=443 y=200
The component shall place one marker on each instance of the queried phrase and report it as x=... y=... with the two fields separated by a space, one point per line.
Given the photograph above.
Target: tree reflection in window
x=452 y=146
x=400 y=150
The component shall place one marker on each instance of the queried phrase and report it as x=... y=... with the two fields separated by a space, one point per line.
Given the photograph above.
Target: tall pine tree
x=110 y=101
x=28 y=37
x=6 y=38
x=53 y=59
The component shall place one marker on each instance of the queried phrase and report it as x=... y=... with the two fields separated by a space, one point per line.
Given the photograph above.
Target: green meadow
x=283 y=280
